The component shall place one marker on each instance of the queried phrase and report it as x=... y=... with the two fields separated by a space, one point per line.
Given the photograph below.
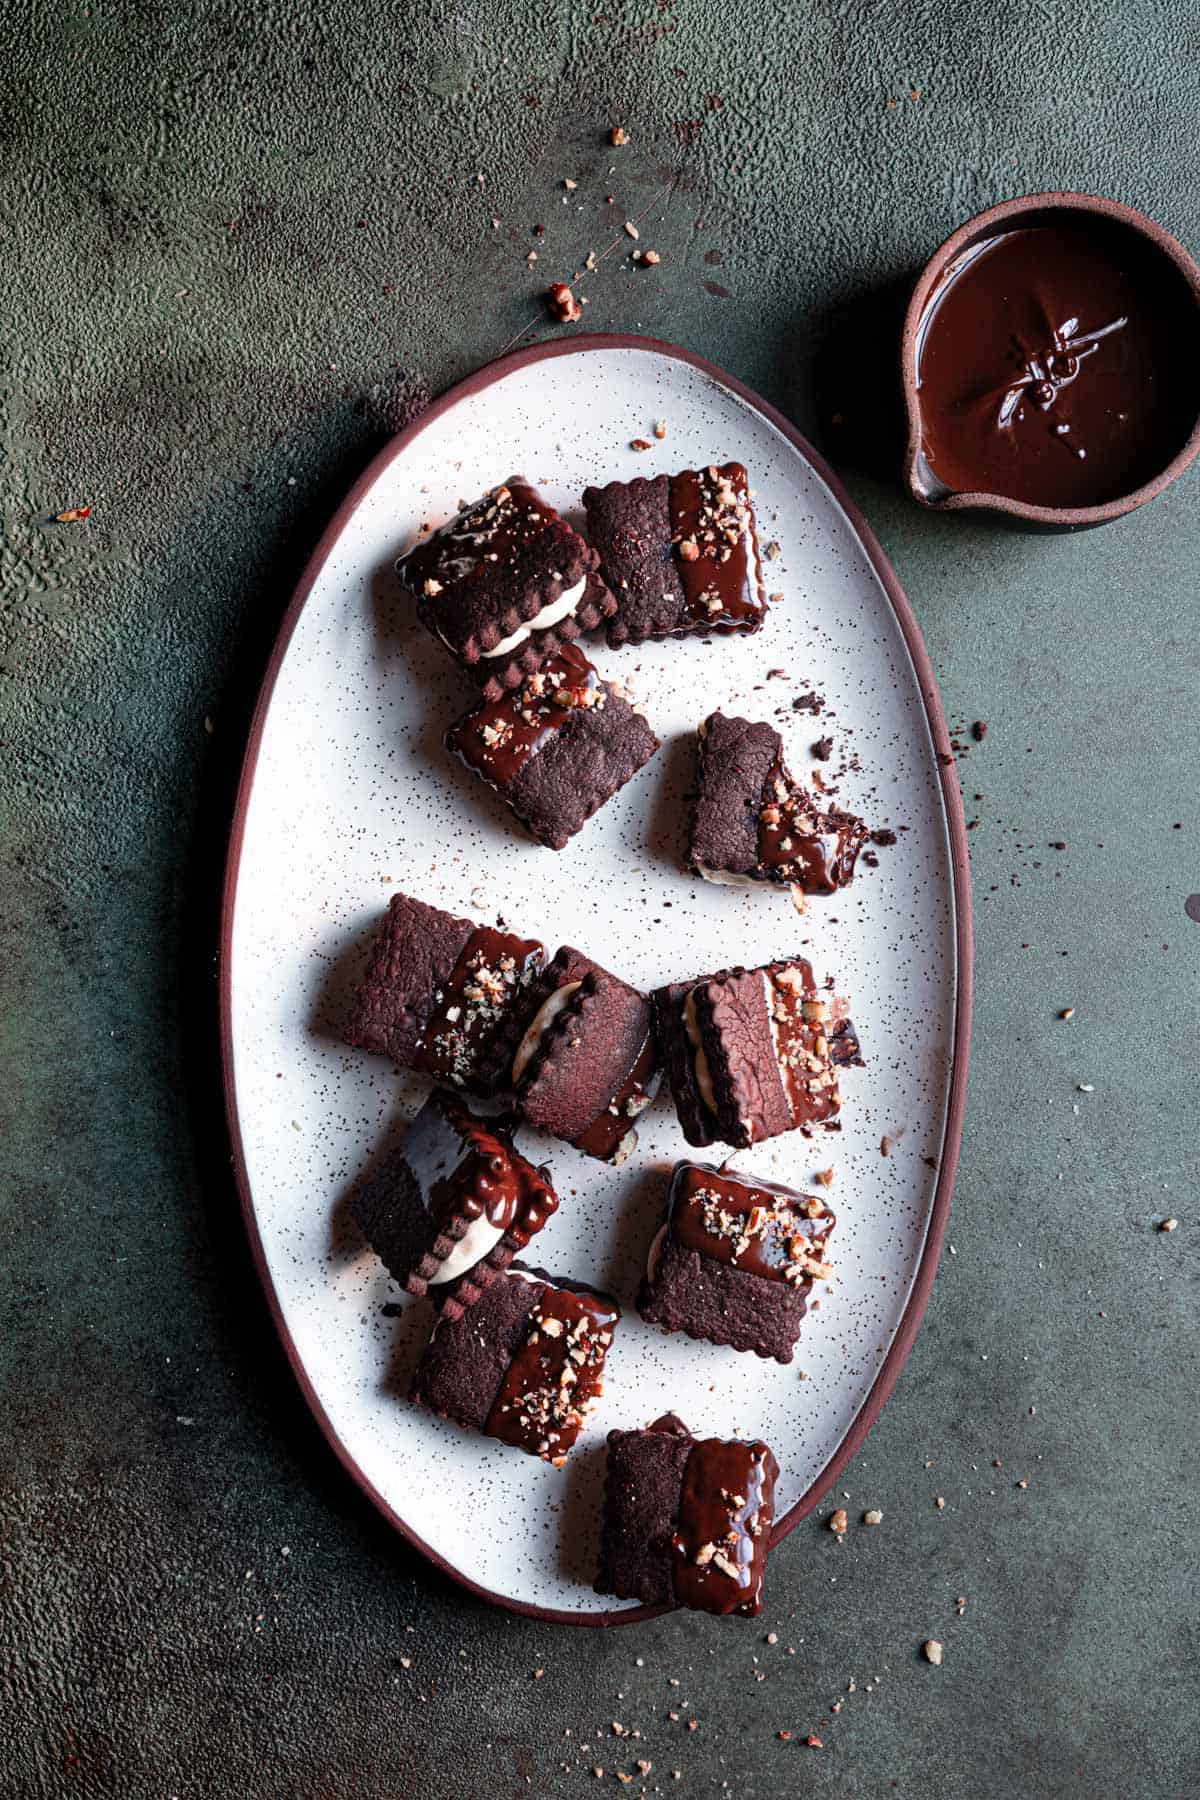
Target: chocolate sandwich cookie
x=524 y=1364
x=505 y=584
x=752 y=1053
x=587 y=1064
x=686 y=1520
x=555 y=747
x=735 y=1260
x=438 y=990
x=455 y=1202
x=754 y=823
x=679 y=552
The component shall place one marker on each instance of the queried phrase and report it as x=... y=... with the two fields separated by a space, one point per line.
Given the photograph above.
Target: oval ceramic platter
x=348 y=795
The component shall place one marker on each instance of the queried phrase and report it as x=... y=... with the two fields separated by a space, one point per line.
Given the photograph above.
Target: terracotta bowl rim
x=1007 y=210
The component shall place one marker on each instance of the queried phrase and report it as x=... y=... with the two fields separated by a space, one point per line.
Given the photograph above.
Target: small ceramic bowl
x=1033 y=209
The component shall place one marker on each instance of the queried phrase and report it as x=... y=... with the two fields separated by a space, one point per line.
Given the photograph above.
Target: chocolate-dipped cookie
x=524 y=1364
x=686 y=1520
x=505 y=584
x=754 y=824
x=454 y=1203
x=587 y=1064
x=556 y=746
x=735 y=1260
x=752 y=1053
x=679 y=553
x=438 y=990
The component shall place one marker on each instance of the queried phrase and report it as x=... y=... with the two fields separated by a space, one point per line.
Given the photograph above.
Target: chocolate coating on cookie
x=686 y=1520
x=455 y=1202
x=753 y=822
x=590 y=1065
x=437 y=990
x=556 y=747
x=735 y=1260
x=504 y=584
x=524 y=1364
x=679 y=553
x=749 y=1053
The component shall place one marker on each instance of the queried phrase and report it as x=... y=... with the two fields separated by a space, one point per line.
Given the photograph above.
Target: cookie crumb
x=933 y=1652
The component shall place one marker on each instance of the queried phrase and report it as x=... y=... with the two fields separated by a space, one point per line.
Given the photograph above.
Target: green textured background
x=240 y=246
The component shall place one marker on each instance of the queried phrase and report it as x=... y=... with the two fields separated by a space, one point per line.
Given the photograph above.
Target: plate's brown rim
x=978 y=500
x=901 y=1344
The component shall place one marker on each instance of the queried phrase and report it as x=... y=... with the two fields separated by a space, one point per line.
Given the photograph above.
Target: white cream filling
x=724 y=878
x=545 y=1016
x=755 y=562
x=477 y=1240
x=558 y=609
x=700 y=1060
x=654 y=1255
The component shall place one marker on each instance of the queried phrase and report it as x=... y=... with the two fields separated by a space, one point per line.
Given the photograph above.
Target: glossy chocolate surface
x=1057 y=365
x=556 y=1373
x=712 y=533
x=464 y=1169
x=800 y=845
x=606 y=1133
x=498 y=739
x=724 y=1526
x=490 y=531
x=757 y=1226
x=492 y=969
x=802 y=1018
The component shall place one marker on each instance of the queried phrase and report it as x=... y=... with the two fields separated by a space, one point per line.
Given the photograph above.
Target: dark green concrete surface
x=240 y=245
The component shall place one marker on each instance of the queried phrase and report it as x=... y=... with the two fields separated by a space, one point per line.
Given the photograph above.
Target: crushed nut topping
x=770 y=1226
x=562 y=304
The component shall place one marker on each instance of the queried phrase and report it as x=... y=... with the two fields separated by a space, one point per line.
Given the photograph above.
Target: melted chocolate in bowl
x=1058 y=365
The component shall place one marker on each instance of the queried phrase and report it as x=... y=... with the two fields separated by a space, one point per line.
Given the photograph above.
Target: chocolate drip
x=757 y=1226
x=799 y=843
x=499 y=739
x=712 y=533
x=463 y=1169
x=724 y=1525
x=492 y=969
x=489 y=531
x=801 y=1021
x=555 y=1375
x=606 y=1133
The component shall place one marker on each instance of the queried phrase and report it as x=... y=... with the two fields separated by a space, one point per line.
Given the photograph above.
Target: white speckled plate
x=348 y=795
